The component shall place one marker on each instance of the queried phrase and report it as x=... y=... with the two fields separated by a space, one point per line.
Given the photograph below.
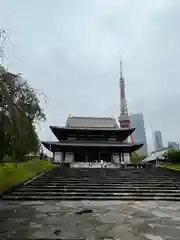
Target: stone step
x=130 y=190
x=84 y=169
x=108 y=175
x=93 y=193
x=105 y=187
x=113 y=178
x=143 y=181
x=109 y=179
x=97 y=194
x=107 y=184
x=111 y=188
x=113 y=173
x=90 y=198
x=116 y=171
x=101 y=184
x=109 y=171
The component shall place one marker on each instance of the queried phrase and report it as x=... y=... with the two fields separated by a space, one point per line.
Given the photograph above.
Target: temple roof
x=122 y=133
x=91 y=122
x=72 y=145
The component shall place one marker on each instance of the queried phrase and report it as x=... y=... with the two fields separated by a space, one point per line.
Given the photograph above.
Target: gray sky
x=70 y=50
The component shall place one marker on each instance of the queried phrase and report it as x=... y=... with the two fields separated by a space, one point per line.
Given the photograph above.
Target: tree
x=19 y=112
x=135 y=158
x=25 y=142
x=174 y=156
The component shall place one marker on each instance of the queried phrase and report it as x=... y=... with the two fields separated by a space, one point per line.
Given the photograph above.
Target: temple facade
x=88 y=139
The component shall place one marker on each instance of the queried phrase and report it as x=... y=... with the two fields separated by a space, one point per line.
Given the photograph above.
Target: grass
x=12 y=174
x=172 y=166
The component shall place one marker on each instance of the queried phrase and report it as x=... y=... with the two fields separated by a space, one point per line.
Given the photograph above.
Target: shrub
x=174 y=156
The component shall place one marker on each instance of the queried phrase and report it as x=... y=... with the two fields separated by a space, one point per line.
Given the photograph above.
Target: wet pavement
x=100 y=220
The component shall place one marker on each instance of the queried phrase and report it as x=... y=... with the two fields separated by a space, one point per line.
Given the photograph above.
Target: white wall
x=69 y=157
x=115 y=158
x=57 y=157
x=127 y=159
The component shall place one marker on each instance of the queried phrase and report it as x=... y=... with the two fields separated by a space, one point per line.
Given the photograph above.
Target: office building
x=158 y=142
x=173 y=145
x=137 y=122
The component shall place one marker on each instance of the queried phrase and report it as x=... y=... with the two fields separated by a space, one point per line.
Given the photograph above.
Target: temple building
x=88 y=139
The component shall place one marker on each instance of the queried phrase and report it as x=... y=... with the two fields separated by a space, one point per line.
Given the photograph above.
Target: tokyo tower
x=124 y=119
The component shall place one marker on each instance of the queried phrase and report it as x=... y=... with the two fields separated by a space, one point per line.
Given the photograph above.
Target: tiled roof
x=58 y=146
x=94 y=122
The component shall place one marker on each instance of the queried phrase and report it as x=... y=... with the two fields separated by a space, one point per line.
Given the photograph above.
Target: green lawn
x=14 y=173
x=172 y=166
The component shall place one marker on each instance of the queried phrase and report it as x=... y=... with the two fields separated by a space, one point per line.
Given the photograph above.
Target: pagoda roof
x=94 y=122
x=69 y=146
x=122 y=133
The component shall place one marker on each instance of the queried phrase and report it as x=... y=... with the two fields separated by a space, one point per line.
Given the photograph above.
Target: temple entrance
x=79 y=157
x=82 y=156
x=106 y=157
x=92 y=156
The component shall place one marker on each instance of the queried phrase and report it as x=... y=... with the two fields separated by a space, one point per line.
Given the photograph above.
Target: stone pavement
x=107 y=220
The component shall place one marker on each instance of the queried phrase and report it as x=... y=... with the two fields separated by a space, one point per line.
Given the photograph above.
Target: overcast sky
x=70 y=50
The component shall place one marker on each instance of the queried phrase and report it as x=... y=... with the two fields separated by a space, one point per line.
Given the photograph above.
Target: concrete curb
x=174 y=169
x=170 y=168
x=37 y=176
x=24 y=183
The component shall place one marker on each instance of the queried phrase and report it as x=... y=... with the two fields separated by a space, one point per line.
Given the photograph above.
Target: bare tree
x=3 y=39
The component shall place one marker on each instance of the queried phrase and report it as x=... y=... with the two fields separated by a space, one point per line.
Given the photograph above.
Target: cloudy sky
x=70 y=50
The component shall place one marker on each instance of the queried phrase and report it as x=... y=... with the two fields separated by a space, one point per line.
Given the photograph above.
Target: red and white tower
x=124 y=119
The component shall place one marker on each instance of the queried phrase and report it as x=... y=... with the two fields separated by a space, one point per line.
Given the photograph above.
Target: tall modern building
x=174 y=145
x=137 y=121
x=158 y=140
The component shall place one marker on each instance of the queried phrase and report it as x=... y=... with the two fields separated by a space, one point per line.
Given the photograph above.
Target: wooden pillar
x=130 y=158
x=87 y=155
x=63 y=156
x=120 y=157
x=112 y=157
x=53 y=157
x=99 y=154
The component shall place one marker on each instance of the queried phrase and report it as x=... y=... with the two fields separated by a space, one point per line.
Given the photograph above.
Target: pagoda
x=88 y=139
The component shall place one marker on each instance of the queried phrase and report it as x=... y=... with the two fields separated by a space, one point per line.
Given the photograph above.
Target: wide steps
x=97 y=188
x=101 y=184
x=106 y=194
x=91 y=198
x=107 y=184
x=109 y=180
x=143 y=181
x=81 y=190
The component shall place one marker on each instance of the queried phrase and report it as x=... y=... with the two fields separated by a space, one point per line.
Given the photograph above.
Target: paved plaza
x=101 y=220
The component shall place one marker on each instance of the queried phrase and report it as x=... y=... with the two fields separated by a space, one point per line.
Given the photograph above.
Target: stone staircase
x=63 y=183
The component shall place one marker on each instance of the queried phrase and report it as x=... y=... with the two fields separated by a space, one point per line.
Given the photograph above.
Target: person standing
x=101 y=163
